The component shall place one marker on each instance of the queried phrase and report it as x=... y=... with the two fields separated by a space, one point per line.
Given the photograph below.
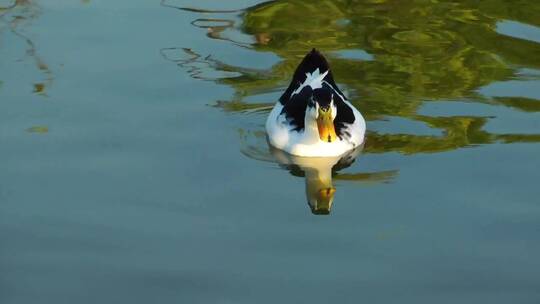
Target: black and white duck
x=313 y=118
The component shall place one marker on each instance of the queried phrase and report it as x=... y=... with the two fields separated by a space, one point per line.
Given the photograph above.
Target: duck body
x=313 y=118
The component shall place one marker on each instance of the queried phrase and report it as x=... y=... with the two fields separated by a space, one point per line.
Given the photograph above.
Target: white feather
x=314 y=80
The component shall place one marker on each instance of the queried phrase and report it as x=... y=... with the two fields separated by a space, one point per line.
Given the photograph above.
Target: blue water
x=128 y=176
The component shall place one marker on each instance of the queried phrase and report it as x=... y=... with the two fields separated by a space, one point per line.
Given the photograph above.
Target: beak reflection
x=321 y=201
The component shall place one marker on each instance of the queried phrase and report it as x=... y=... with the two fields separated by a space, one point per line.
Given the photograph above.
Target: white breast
x=307 y=142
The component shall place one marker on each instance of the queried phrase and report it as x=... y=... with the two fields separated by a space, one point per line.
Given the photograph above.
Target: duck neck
x=311 y=131
x=319 y=176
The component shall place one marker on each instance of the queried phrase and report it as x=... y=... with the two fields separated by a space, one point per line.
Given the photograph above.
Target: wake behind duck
x=313 y=118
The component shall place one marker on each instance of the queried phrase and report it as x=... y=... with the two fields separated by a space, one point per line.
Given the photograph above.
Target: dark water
x=134 y=167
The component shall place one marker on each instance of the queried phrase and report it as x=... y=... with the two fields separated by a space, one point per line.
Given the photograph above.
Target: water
x=135 y=169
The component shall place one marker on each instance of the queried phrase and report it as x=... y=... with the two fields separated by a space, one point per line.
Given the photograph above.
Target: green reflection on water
x=14 y=17
x=422 y=52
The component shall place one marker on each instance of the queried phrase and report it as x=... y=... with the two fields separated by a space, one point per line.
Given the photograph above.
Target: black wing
x=295 y=109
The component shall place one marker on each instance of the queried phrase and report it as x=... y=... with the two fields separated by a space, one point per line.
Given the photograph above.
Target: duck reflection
x=317 y=172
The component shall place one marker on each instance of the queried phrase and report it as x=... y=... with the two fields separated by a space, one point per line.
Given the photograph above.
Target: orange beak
x=325 y=124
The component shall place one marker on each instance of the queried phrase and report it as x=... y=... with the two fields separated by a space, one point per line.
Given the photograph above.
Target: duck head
x=322 y=111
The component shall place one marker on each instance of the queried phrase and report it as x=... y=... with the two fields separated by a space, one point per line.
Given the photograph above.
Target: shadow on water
x=410 y=56
x=13 y=17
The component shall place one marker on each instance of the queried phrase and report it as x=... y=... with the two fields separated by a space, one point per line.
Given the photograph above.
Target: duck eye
x=311 y=102
x=325 y=108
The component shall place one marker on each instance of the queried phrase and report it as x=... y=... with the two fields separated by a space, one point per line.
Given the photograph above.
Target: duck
x=313 y=118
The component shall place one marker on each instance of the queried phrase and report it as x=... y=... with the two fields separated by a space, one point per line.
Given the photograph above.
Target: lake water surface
x=134 y=166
